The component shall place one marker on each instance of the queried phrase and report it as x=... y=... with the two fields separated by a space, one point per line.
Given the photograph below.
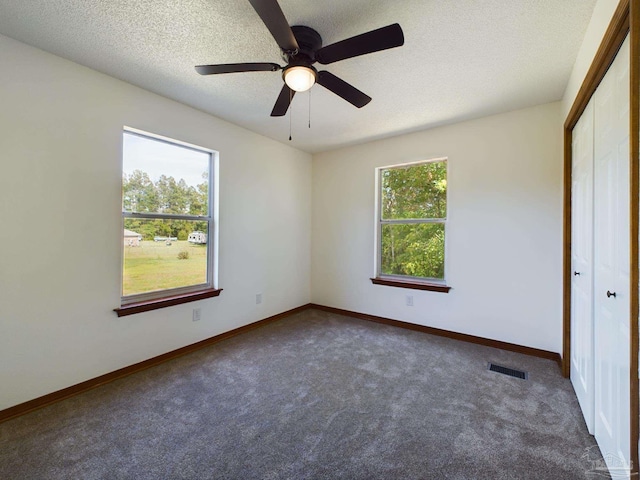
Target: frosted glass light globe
x=299 y=78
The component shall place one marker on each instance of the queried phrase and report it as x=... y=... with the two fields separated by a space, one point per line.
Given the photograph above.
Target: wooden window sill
x=156 y=304
x=414 y=284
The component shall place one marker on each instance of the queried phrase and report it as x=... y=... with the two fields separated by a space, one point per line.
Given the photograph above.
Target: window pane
x=416 y=191
x=160 y=177
x=416 y=250
x=163 y=254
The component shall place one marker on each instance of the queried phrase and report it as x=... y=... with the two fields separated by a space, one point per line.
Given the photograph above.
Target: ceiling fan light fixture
x=300 y=78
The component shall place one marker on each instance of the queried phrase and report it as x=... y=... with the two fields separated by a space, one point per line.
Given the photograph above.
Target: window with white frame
x=412 y=216
x=168 y=221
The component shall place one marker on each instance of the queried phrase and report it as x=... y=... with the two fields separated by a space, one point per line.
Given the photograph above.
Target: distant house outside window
x=412 y=216
x=167 y=212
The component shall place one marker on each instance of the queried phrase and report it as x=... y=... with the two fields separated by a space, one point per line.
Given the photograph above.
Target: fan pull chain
x=290 y=111
x=309 y=108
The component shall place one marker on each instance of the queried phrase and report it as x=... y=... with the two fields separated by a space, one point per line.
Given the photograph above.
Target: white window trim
x=211 y=219
x=379 y=222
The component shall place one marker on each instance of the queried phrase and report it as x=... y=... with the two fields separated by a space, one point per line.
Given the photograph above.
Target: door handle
x=610 y=294
x=576 y=273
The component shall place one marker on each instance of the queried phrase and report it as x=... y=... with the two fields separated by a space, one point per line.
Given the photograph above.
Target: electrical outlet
x=258 y=298
x=409 y=300
x=197 y=314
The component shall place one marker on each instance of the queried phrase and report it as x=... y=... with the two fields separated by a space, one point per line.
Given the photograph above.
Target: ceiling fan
x=301 y=47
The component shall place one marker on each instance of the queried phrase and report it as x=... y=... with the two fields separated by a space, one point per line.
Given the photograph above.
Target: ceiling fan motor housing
x=309 y=42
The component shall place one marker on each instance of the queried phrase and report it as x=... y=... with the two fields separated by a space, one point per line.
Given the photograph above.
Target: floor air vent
x=508 y=371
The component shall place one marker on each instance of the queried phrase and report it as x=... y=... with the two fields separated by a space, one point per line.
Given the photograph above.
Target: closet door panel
x=611 y=264
x=582 y=358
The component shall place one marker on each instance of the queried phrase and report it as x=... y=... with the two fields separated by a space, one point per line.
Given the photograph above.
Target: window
x=168 y=222
x=412 y=215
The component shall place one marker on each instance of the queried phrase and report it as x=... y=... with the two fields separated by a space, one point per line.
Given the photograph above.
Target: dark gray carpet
x=314 y=396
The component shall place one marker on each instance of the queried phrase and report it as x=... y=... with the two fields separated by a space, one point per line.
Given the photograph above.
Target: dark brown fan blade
x=272 y=16
x=236 y=68
x=373 y=41
x=283 y=101
x=341 y=88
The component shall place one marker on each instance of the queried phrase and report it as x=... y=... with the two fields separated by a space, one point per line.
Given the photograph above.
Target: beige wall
x=61 y=238
x=504 y=231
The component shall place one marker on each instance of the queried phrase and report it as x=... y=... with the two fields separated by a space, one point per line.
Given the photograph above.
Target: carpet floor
x=315 y=396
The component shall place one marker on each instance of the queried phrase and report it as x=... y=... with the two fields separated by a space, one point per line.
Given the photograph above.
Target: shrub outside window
x=167 y=211
x=412 y=215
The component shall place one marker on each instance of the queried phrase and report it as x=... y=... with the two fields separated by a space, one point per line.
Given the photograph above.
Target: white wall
x=60 y=240
x=504 y=233
x=600 y=19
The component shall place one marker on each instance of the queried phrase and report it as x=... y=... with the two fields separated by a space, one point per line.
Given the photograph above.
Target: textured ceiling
x=461 y=59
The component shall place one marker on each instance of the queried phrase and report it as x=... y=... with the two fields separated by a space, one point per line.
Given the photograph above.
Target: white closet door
x=582 y=359
x=611 y=261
